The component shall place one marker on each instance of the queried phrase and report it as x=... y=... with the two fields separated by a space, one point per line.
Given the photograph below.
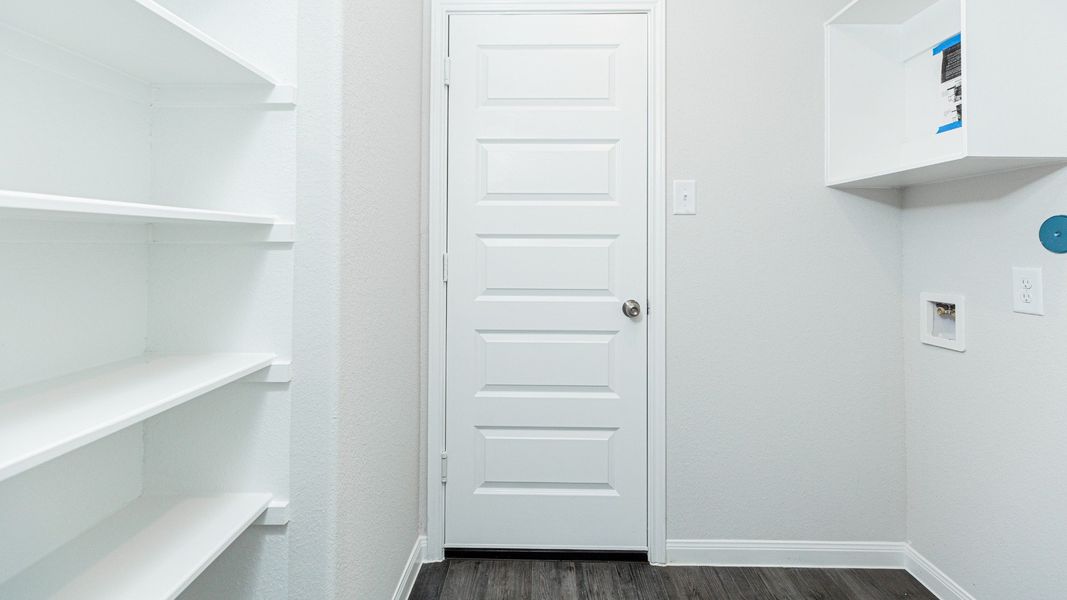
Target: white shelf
x=48 y=419
x=151 y=550
x=136 y=37
x=959 y=167
x=892 y=122
x=45 y=206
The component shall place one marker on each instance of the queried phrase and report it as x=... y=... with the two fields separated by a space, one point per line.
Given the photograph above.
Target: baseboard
x=772 y=553
x=823 y=555
x=411 y=570
x=933 y=578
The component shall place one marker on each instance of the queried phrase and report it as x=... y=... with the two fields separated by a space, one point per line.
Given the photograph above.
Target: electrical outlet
x=1028 y=291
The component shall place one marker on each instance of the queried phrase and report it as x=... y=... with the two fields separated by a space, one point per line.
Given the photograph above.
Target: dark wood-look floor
x=463 y=579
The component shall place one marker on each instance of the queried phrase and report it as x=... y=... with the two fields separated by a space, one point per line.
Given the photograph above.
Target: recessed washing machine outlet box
x=942 y=321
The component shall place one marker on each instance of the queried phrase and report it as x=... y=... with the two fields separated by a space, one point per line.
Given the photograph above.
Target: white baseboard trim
x=933 y=578
x=411 y=570
x=772 y=553
x=823 y=555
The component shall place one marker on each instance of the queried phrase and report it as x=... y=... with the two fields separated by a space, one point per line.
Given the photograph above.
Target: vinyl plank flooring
x=646 y=580
x=820 y=585
x=892 y=584
x=778 y=582
x=554 y=579
x=600 y=581
x=853 y=585
x=430 y=581
x=511 y=581
x=743 y=584
x=686 y=583
x=461 y=582
x=476 y=579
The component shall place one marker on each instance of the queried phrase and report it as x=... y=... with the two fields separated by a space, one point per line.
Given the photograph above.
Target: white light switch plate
x=1028 y=291
x=685 y=197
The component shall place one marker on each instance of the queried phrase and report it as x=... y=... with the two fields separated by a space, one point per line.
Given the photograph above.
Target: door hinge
x=444 y=467
x=448 y=70
x=444 y=267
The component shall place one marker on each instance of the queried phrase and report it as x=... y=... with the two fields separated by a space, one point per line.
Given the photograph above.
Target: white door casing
x=546 y=413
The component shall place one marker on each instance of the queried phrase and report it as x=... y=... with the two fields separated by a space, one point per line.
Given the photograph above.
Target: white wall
x=313 y=545
x=987 y=475
x=378 y=423
x=785 y=419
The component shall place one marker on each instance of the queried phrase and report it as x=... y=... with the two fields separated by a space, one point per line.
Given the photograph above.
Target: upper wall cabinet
x=920 y=91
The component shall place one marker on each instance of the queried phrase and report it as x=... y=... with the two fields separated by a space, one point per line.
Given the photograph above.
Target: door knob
x=631 y=308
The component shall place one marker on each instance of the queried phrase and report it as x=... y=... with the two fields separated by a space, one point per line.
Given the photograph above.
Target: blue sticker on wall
x=1053 y=234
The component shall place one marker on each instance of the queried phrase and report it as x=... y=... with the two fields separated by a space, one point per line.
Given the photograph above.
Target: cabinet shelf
x=924 y=91
x=137 y=37
x=950 y=169
x=45 y=420
x=28 y=205
x=150 y=550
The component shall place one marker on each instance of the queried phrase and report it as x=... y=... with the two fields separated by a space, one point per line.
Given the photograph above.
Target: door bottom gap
x=547 y=554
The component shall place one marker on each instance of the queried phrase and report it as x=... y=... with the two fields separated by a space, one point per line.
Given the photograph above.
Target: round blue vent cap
x=1053 y=234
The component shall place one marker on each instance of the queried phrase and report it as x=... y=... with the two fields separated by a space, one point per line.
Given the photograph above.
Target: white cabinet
x=890 y=90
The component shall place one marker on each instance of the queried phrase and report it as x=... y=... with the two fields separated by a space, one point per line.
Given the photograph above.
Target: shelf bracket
x=276 y=514
x=279 y=371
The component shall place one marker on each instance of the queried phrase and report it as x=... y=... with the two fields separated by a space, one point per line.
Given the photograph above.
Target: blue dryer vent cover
x=1053 y=234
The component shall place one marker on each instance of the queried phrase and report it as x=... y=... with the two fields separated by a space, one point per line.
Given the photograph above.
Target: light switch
x=1028 y=291
x=685 y=197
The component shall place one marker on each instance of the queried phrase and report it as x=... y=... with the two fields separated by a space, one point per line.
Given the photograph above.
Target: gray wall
x=378 y=418
x=314 y=445
x=784 y=382
x=355 y=435
x=987 y=448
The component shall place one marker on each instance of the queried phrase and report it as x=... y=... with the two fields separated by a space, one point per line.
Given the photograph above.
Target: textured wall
x=378 y=422
x=987 y=477
x=784 y=378
x=313 y=531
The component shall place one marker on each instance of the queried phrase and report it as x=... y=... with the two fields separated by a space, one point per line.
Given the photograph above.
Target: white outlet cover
x=950 y=334
x=1028 y=291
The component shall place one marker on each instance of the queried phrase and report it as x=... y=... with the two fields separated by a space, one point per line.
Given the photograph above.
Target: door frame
x=435 y=197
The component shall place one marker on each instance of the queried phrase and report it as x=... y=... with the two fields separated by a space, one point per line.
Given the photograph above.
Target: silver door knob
x=631 y=308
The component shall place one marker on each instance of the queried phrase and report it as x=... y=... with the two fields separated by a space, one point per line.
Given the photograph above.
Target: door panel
x=547 y=211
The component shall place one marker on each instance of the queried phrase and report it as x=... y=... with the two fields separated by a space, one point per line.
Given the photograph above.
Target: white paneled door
x=547 y=239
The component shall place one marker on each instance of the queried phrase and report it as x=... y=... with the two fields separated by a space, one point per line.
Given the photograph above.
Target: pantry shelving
x=153 y=548
x=147 y=198
x=42 y=421
x=140 y=38
x=29 y=205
